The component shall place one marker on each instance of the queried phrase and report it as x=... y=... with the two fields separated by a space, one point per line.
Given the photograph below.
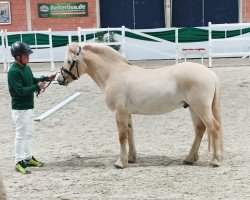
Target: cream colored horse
x=130 y=90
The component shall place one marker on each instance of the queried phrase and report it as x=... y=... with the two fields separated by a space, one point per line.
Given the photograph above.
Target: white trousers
x=24 y=121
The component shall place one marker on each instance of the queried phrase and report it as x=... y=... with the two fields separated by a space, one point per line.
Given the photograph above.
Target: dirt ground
x=79 y=145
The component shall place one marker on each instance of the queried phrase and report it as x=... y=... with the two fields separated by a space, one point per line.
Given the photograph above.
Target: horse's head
x=73 y=66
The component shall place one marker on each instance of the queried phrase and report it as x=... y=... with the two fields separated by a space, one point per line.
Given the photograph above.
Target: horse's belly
x=153 y=107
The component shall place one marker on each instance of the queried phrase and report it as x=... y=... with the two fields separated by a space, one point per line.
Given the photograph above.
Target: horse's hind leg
x=132 y=150
x=214 y=130
x=122 y=125
x=199 y=128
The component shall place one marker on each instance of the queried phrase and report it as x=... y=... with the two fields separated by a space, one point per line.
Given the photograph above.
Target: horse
x=130 y=89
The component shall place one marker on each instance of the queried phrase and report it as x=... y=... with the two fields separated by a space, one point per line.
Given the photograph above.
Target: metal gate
x=134 y=14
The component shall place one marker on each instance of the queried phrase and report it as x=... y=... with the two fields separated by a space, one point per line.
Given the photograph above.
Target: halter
x=68 y=72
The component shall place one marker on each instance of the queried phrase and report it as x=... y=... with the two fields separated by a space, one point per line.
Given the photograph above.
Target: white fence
x=134 y=48
x=173 y=48
x=238 y=46
x=159 y=45
x=123 y=41
x=37 y=48
x=120 y=41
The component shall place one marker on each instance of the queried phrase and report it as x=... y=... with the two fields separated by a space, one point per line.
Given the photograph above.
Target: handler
x=22 y=86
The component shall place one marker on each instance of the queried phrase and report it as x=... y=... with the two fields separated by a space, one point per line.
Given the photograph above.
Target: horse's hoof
x=118 y=164
x=187 y=162
x=215 y=163
x=132 y=159
x=190 y=160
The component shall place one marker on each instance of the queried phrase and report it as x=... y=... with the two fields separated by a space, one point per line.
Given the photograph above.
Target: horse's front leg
x=122 y=125
x=132 y=150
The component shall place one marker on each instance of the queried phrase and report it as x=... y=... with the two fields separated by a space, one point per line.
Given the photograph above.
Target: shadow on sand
x=76 y=162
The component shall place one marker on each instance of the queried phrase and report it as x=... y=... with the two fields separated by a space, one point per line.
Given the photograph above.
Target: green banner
x=62 y=10
x=185 y=35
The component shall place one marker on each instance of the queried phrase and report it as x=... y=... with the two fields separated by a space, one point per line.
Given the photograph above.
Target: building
x=136 y=14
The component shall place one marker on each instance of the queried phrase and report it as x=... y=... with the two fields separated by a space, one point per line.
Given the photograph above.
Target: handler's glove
x=44 y=78
x=52 y=77
x=47 y=78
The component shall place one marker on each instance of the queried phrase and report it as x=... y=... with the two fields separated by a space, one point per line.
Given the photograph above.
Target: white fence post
x=3 y=59
x=51 y=51
x=123 y=42
x=177 y=45
x=79 y=35
x=108 y=35
x=210 y=44
x=6 y=49
x=69 y=38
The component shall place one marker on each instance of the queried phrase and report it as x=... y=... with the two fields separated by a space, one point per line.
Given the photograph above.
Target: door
x=134 y=14
x=116 y=13
x=196 y=13
x=187 y=13
x=220 y=12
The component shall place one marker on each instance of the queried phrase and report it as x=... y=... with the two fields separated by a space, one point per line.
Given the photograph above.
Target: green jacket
x=22 y=86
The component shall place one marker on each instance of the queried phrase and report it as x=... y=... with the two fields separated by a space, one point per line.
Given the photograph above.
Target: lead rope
x=48 y=80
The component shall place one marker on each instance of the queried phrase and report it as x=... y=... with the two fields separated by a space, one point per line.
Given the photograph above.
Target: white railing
x=123 y=41
x=169 y=55
x=96 y=31
x=237 y=46
x=37 y=47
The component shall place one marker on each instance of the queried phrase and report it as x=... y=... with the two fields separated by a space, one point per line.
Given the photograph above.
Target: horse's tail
x=217 y=115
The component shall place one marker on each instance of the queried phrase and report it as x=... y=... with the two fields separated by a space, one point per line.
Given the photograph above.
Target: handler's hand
x=42 y=85
x=52 y=77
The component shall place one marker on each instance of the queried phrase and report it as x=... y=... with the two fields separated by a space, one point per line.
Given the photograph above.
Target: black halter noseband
x=68 y=72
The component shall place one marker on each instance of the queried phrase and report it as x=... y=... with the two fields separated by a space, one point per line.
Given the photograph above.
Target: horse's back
x=190 y=74
x=192 y=68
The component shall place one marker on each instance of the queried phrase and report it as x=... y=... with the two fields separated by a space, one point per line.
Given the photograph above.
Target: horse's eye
x=69 y=62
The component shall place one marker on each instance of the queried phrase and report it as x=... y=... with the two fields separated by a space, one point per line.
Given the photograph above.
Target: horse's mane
x=107 y=51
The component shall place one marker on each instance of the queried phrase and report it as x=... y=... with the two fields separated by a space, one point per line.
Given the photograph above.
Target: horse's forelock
x=74 y=47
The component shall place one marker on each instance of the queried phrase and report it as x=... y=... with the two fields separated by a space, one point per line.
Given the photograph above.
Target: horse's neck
x=99 y=73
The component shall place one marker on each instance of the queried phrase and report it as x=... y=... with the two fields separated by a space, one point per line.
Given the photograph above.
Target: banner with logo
x=62 y=10
x=5 y=15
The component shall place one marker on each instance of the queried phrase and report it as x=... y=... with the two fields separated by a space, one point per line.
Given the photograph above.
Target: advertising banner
x=62 y=10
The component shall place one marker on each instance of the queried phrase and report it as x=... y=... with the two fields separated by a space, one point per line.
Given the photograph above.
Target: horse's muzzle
x=62 y=81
